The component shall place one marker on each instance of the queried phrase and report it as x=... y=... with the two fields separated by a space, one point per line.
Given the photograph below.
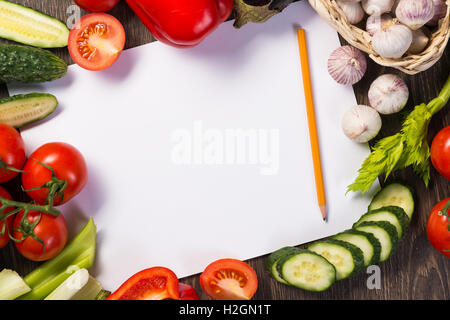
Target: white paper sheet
x=133 y=123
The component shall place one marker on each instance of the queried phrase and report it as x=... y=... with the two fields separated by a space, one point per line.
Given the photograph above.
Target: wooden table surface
x=415 y=271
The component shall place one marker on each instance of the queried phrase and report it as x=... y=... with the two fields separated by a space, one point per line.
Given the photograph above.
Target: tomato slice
x=229 y=279
x=156 y=283
x=96 y=41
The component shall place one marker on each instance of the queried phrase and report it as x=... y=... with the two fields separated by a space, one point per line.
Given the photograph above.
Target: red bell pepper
x=156 y=283
x=181 y=23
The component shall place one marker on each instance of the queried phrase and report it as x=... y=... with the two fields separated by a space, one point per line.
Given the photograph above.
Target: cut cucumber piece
x=394 y=194
x=12 y=285
x=386 y=234
x=394 y=215
x=20 y=110
x=307 y=270
x=274 y=258
x=28 y=26
x=346 y=258
x=369 y=245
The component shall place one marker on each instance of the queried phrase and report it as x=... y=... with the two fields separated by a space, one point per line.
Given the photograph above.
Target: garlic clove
x=440 y=10
x=377 y=7
x=352 y=10
x=415 y=13
x=388 y=94
x=347 y=65
x=419 y=42
x=361 y=123
x=392 y=40
x=374 y=23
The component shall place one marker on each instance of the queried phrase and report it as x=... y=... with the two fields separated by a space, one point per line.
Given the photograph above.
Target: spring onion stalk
x=11 y=285
x=407 y=148
x=80 y=253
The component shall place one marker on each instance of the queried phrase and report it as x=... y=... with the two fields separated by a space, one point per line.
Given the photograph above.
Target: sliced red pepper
x=181 y=23
x=187 y=292
x=156 y=283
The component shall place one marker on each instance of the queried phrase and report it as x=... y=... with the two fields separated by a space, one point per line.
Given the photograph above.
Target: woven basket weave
x=411 y=63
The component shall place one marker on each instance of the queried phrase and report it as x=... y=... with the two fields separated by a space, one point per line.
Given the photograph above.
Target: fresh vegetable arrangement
x=372 y=239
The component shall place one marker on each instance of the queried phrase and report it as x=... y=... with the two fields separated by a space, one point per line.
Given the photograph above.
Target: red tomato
x=438 y=227
x=96 y=41
x=12 y=153
x=5 y=228
x=97 y=5
x=229 y=279
x=70 y=173
x=440 y=152
x=187 y=292
x=51 y=230
x=156 y=283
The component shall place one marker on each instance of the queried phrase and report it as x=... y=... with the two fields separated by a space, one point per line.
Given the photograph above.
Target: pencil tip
x=323 y=210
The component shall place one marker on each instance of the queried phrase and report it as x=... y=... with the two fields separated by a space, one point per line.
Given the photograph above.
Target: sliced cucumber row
x=394 y=194
x=373 y=239
x=307 y=270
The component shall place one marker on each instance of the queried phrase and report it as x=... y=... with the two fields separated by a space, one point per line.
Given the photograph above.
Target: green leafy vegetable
x=257 y=10
x=407 y=148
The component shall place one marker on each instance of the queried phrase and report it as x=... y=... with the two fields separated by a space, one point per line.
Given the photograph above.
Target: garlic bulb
x=419 y=42
x=347 y=65
x=374 y=23
x=352 y=10
x=415 y=13
x=388 y=94
x=361 y=123
x=377 y=7
x=392 y=40
x=440 y=10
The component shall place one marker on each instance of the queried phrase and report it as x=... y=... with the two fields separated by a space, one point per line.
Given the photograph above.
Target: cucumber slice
x=307 y=270
x=394 y=215
x=20 y=110
x=386 y=234
x=274 y=258
x=369 y=245
x=346 y=258
x=394 y=194
x=31 y=27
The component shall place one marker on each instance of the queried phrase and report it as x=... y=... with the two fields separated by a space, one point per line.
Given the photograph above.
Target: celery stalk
x=80 y=253
x=11 y=285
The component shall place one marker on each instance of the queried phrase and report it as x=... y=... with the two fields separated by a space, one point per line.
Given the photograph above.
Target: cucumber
x=307 y=270
x=346 y=257
x=31 y=27
x=369 y=245
x=20 y=110
x=394 y=194
x=394 y=215
x=27 y=64
x=386 y=234
x=274 y=258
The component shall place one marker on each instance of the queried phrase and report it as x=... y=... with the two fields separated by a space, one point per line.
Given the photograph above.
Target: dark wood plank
x=415 y=271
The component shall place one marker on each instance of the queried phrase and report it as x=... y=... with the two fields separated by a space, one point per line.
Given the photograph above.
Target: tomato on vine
x=6 y=221
x=55 y=173
x=12 y=153
x=438 y=227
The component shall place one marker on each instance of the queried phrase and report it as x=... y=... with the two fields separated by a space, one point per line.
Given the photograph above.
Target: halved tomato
x=96 y=41
x=229 y=279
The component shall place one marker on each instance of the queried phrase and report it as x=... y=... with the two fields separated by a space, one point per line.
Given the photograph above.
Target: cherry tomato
x=229 y=279
x=69 y=178
x=96 y=41
x=96 y=5
x=5 y=227
x=187 y=292
x=12 y=153
x=156 y=283
x=51 y=230
x=440 y=152
x=438 y=227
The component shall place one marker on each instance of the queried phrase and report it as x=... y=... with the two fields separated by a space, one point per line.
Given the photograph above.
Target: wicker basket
x=410 y=64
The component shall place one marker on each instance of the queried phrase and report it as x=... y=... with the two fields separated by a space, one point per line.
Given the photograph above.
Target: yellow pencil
x=312 y=123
